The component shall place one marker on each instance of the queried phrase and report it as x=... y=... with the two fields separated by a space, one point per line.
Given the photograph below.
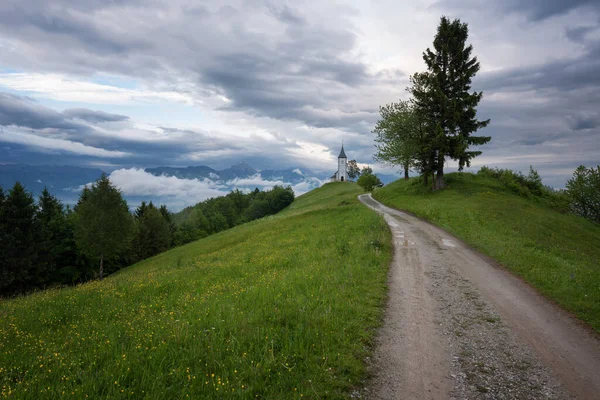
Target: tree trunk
x=438 y=182
x=101 y=266
x=426 y=178
x=405 y=171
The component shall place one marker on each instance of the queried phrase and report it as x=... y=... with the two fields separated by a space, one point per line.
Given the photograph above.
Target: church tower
x=342 y=172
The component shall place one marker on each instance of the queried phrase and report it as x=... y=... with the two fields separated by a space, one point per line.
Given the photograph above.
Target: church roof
x=342 y=153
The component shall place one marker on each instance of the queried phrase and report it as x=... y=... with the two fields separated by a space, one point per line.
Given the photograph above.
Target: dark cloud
x=172 y=146
x=584 y=121
x=24 y=112
x=286 y=14
x=293 y=69
x=534 y=10
x=538 y=10
x=93 y=116
x=278 y=61
x=70 y=25
x=577 y=34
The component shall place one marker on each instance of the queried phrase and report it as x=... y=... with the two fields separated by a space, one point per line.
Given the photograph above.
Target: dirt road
x=459 y=326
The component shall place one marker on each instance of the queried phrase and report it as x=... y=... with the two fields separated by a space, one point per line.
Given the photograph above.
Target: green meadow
x=282 y=307
x=557 y=253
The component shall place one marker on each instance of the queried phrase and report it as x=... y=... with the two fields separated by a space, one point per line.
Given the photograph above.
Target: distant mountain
x=57 y=178
x=242 y=170
x=386 y=178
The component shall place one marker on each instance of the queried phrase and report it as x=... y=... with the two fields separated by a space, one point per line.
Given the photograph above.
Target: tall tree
x=152 y=231
x=52 y=233
x=353 y=170
x=398 y=135
x=104 y=225
x=444 y=98
x=168 y=217
x=19 y=244
x=141 y=210
x=3 y=242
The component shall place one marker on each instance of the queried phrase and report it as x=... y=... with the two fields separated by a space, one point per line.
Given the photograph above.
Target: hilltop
x=282 y=307
x=555 y=251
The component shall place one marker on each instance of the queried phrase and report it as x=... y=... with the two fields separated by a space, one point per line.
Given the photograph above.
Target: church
x=342 y=173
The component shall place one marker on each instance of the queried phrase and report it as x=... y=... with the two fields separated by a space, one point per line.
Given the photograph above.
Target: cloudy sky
x=120 y=84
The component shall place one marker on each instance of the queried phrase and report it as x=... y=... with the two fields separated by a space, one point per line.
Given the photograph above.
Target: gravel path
x=457 y=326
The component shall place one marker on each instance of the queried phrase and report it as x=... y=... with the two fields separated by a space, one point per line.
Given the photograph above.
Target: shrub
x=526 y=186
x=584 y=190
x=368 y=181
x=529 y=186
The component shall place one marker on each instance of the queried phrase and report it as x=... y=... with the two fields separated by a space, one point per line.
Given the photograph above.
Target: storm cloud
x=280 y=84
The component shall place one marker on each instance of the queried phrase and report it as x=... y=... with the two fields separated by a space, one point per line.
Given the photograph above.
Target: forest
x=45 y=243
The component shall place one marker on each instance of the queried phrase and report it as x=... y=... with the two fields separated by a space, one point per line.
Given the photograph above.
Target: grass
x=556 y=253
x=283 y=307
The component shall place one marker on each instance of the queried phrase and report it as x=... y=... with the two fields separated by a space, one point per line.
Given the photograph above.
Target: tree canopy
x=439 y=121
x=353 y=170
x=584 y=190
x=104 y=225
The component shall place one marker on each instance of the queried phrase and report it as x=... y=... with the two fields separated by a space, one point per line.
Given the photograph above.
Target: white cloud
x=63 y=88
x=308 y=185
x=255 y=181
x=57 y=145
x=137 y=182
x=297 y=170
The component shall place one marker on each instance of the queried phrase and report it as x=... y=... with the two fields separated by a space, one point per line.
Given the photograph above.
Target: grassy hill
x=557 y=253
x=283 y=307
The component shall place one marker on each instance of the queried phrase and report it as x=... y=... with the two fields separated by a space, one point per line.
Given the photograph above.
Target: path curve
x=459 y=326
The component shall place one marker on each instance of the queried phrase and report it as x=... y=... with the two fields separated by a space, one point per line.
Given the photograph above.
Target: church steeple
x=342 y=153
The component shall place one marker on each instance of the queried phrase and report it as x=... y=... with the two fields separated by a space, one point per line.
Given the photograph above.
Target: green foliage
x=529 y=186
x=104 y=226
x=153 y=231
x=53 y=245
x=353 y=170
x=282 y=307
x=526 y=186
x=584 y=190
x=19 y=258
x=37 y=246
x=398 y=136
x=444 y=104
x=368 y=180
x=556 y=252
x=217 y=214
x=53 y=233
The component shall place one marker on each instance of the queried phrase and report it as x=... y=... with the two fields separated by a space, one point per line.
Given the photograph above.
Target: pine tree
x=444 y=98
x=104 y=226
x=152 y=231
x=19 y=244
x=3 y=242
x=141 y=210
x=172 y=227
x=52 y=235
